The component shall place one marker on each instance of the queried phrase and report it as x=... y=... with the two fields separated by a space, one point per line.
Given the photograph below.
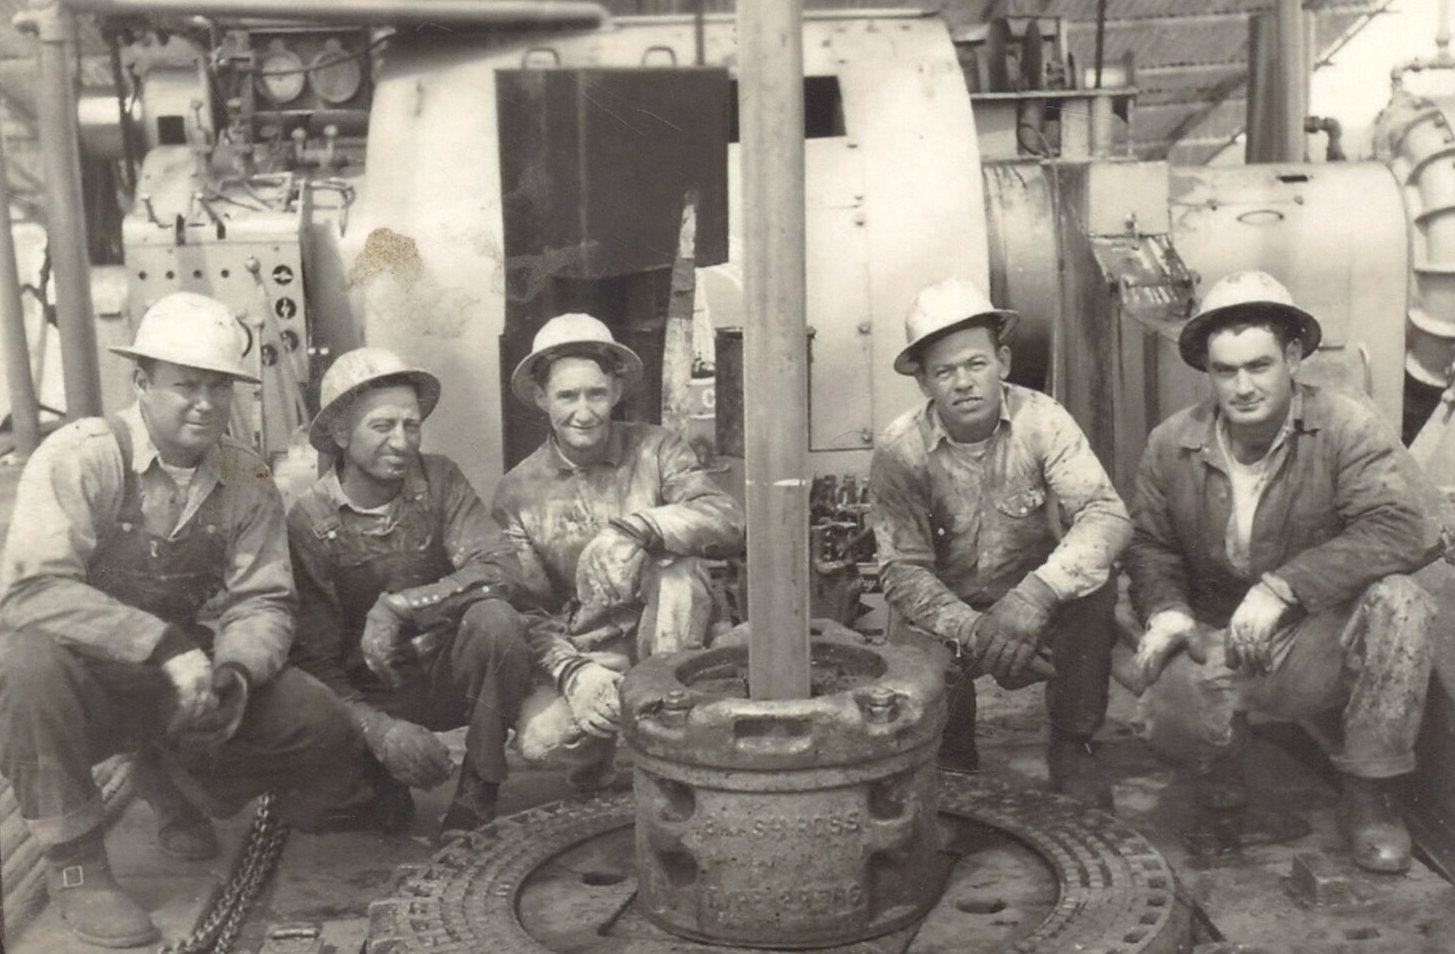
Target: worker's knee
x=490 y=631
x=546 y=733
x=35 y=671
x=1399 y=598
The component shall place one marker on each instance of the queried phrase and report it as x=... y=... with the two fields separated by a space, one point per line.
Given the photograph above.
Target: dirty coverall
x=437 y=548
x=104 y=552
x=1341 y=521
x=958 y=526
x=551 y=509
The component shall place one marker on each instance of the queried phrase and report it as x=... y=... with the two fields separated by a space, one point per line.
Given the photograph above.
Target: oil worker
x=404 y=584
x=1275 y=523
x=147 y=608
x=997 y=528
x=610 y=519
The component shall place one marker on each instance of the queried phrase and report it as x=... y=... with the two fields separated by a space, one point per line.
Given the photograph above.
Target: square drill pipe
x=775 y=376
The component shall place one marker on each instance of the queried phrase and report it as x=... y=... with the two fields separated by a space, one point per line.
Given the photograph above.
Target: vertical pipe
x=1442 y=29
x=1101 y=126
x=770 y=54
x=1293 y=81
x=1100 y=39
x=65 y=211
x=24 y=408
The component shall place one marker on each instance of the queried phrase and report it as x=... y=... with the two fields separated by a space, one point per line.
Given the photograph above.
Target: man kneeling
x=148 y=608
x=1274 y=528
x=404 y=584
x=610 y=519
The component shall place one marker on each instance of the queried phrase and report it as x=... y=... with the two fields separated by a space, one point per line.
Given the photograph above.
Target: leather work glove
x=591 y=692
x=191 y=676
x=1167 y=632
x=608 y=572
x=212 y=730
x=414 y=755
x=380 y=640
x=1250 y=631
x=1024 y=614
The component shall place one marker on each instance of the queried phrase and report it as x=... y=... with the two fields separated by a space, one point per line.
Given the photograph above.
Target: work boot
x=183 y=831
x=79 y=881
x=473 y=806
x=1378 y=839
x=1076 y=771
x=1221 y=783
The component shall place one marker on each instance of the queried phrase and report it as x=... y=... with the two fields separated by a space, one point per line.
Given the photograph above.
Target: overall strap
x=130 y=509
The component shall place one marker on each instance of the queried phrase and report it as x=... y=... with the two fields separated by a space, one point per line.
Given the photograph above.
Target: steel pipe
x=24 y=408
x=455 y=13
x=1293 y=81
x=65 y=210
x=775 y=374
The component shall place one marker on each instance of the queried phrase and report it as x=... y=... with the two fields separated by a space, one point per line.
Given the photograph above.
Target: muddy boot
x=1076 y=771
x=473 y=806
x=1378 y=839
x=957 y=745
x=79 y=881
x=183 y=831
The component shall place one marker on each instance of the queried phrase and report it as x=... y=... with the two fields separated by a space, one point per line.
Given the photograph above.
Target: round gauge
x=335 y=74
x=280 y=74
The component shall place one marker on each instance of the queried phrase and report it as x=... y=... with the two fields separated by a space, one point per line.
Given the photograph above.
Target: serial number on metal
x=816 y=899
x=779 y=826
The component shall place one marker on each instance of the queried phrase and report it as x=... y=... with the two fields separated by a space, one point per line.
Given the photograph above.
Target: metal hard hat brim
x=426 y=386
x=907 y=362
x=1192 y=341
x=151 y=354
x=628 y=362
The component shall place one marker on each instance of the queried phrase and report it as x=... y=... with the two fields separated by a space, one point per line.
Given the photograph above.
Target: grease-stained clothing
x=1344 y=506
x=68 y=511
x=437 y=548
x=105 y=552
x=1341 y=521
x=550 y=509
x=956 y=534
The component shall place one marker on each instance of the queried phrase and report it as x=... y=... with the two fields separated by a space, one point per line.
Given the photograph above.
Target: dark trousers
x=478 y=680
x=1081 y=639
x=61 y=712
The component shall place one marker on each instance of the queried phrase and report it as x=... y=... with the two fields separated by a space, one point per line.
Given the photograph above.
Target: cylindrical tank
x=791 y=823
x=1414 y=135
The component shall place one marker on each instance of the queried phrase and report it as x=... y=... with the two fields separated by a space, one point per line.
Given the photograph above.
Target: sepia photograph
x=675 y=476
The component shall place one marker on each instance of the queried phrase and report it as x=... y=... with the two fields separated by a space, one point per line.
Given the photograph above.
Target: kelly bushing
x=790 y=823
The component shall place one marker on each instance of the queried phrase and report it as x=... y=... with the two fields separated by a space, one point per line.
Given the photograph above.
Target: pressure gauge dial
x=335 y=74
x=281 y=75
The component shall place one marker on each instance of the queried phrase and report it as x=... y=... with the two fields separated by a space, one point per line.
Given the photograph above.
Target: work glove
x=1167 y=632
x=413 y=754
x=380 y=640
x=608 y=572
x=1024 y=614
x=591 y=692
x=212 y=730
x=1250 y=631
x=192 y=680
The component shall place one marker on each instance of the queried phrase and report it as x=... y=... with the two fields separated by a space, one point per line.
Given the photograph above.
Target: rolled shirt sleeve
x=1100 y=527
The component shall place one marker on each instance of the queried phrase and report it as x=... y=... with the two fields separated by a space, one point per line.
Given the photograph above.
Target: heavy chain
x=218 y=927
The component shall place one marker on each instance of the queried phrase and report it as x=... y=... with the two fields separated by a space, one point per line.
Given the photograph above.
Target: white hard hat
x=574 y=333
x=352 y=372
x=1244 y=295
x=945 y=307
x=194 y=331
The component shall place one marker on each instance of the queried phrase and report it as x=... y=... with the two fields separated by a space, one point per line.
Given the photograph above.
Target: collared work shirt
x=436 y=533
x=955 y=532
x=550 y=509
x=1344 y=506
x=68 y=500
